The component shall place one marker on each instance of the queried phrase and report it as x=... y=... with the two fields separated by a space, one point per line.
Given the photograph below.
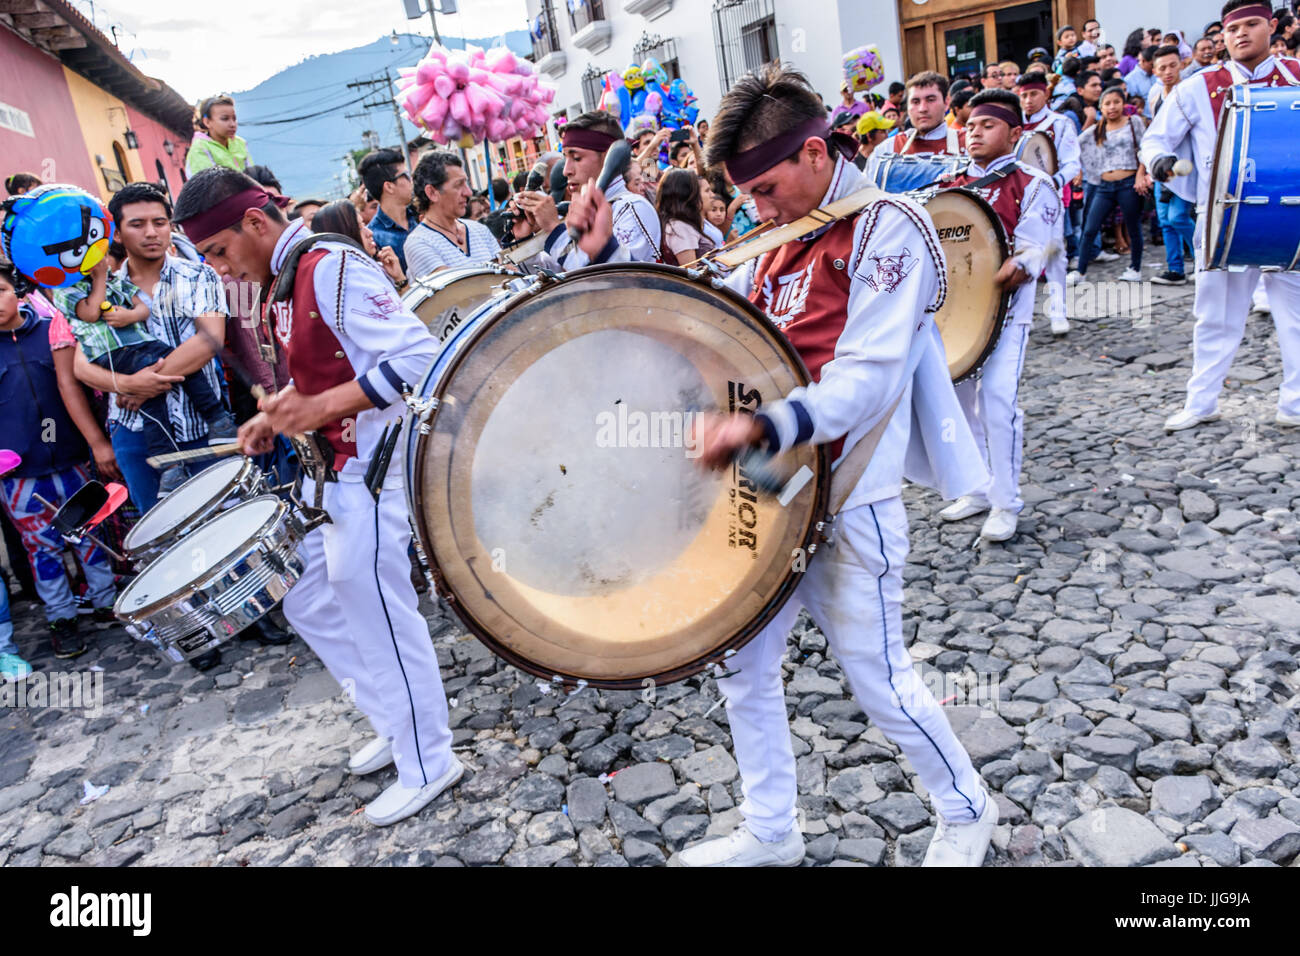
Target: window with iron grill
x=545 y=37
x=583 y=12
x=593 y=84
x=744 y=33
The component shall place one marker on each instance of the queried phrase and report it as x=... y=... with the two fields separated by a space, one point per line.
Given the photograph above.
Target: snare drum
x=192 y=504
x=898 y=173
x=1253 y=211
x=555 y=495
x=444 y=299
x=1037 y=150
x=217 y=581
x=974 y=247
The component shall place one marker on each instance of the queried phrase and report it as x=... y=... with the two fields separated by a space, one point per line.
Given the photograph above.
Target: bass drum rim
x=1004 y=296
x=417 y=459
x=1051 y=146
x=1220 y=222
x=442 y=280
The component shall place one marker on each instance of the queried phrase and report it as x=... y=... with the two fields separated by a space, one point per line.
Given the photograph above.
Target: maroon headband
x=226 y=213
x=1033 y=81
x=753 y=162
x=1258 y=10
x=998 y=112
x=592 y=139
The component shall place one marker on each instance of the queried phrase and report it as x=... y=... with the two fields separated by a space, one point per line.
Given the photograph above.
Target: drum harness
x=315 y=453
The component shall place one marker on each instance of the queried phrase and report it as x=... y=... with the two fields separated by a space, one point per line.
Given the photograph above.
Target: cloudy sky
x=231 y=45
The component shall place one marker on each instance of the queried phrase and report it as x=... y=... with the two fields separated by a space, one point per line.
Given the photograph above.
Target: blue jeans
x=1089 y=193
x=157 y=422
x=7 y=645
x=131 y=449
x=1175 y=215
x=1106 y=196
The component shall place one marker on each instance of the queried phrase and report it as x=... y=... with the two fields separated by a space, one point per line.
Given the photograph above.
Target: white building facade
x=708 y=43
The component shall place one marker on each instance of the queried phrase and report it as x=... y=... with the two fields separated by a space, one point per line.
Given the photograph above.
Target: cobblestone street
x=1130 y=659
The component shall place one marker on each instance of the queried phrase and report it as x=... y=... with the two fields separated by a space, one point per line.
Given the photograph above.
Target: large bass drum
x=1037 y=149
x=443 y=300
x=974 y=246
x=554 y=490
x=1253 y=212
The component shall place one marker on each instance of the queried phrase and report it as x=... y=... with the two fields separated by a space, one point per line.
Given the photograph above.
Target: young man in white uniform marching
x=1029 y=206
x=1032 y=89
x=862 y=318
x=352 y=349
x=1191 y=114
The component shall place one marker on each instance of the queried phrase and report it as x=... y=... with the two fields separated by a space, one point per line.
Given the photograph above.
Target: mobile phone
x=679 y=136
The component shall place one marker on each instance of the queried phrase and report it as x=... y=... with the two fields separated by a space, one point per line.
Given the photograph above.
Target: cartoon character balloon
x=863 y=68
x=55 y=234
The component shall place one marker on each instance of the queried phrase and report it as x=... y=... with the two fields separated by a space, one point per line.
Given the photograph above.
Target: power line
x=305 y=116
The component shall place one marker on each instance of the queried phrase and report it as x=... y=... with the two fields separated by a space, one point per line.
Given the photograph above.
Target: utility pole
x=434 y=20
x=377 y=84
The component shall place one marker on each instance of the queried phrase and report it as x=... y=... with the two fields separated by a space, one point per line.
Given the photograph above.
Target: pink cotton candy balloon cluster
x=463 y=97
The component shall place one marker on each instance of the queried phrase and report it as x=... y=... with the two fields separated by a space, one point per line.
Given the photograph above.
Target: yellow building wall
x=103 y=121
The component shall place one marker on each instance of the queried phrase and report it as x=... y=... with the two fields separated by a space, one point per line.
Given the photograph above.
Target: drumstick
x=1182 y=167
x=259 y=393
x=194 y=454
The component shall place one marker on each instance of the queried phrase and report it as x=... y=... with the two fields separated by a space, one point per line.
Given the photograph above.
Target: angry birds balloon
x=55 y=234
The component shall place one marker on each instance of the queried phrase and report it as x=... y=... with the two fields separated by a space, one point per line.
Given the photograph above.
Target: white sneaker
x=1060 y=325
x=999 y=525
x=963 y=844
x=1072 y=277
x=1130 y=275
x=1185 y=419
x=742 y=848
x=964 y=507
x=399 y=802
x=375 y=755
x=1105 y=256
x=1284 y=419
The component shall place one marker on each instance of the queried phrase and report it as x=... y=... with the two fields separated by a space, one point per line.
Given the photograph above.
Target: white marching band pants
x=990 y=400
x=854 y=591
x=356 y=608
x=1223 y=300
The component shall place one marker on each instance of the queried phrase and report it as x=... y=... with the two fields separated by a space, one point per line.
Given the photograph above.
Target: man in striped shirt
x=187 y=312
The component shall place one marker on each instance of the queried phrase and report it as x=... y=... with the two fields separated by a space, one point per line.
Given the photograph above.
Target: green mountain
x=297 y=121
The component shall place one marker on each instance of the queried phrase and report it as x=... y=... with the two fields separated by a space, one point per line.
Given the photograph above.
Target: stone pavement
x=1123 y=673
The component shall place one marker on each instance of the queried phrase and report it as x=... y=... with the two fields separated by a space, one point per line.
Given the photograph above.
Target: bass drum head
x=198 y=556
x=1037 y=150
x=557 y=496
x=443 y=300
x=975 y=246
x=204 y=492
x=1215 y=241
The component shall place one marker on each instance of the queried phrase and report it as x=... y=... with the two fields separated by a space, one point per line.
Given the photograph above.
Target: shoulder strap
x=990 y=178
x=854 y=465
x=282 y=287
x=1287 y=74
x=907 y=143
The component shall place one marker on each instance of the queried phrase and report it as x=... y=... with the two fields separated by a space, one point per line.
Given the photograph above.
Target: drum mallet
x=616 y=160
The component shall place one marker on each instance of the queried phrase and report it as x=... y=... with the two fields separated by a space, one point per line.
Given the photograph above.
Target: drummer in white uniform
x=1029 y=206
x=352 y=349
x=442 y=239
x=1191 y=115
x=586 y=139
x=1038 y=118
x=857 y=301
